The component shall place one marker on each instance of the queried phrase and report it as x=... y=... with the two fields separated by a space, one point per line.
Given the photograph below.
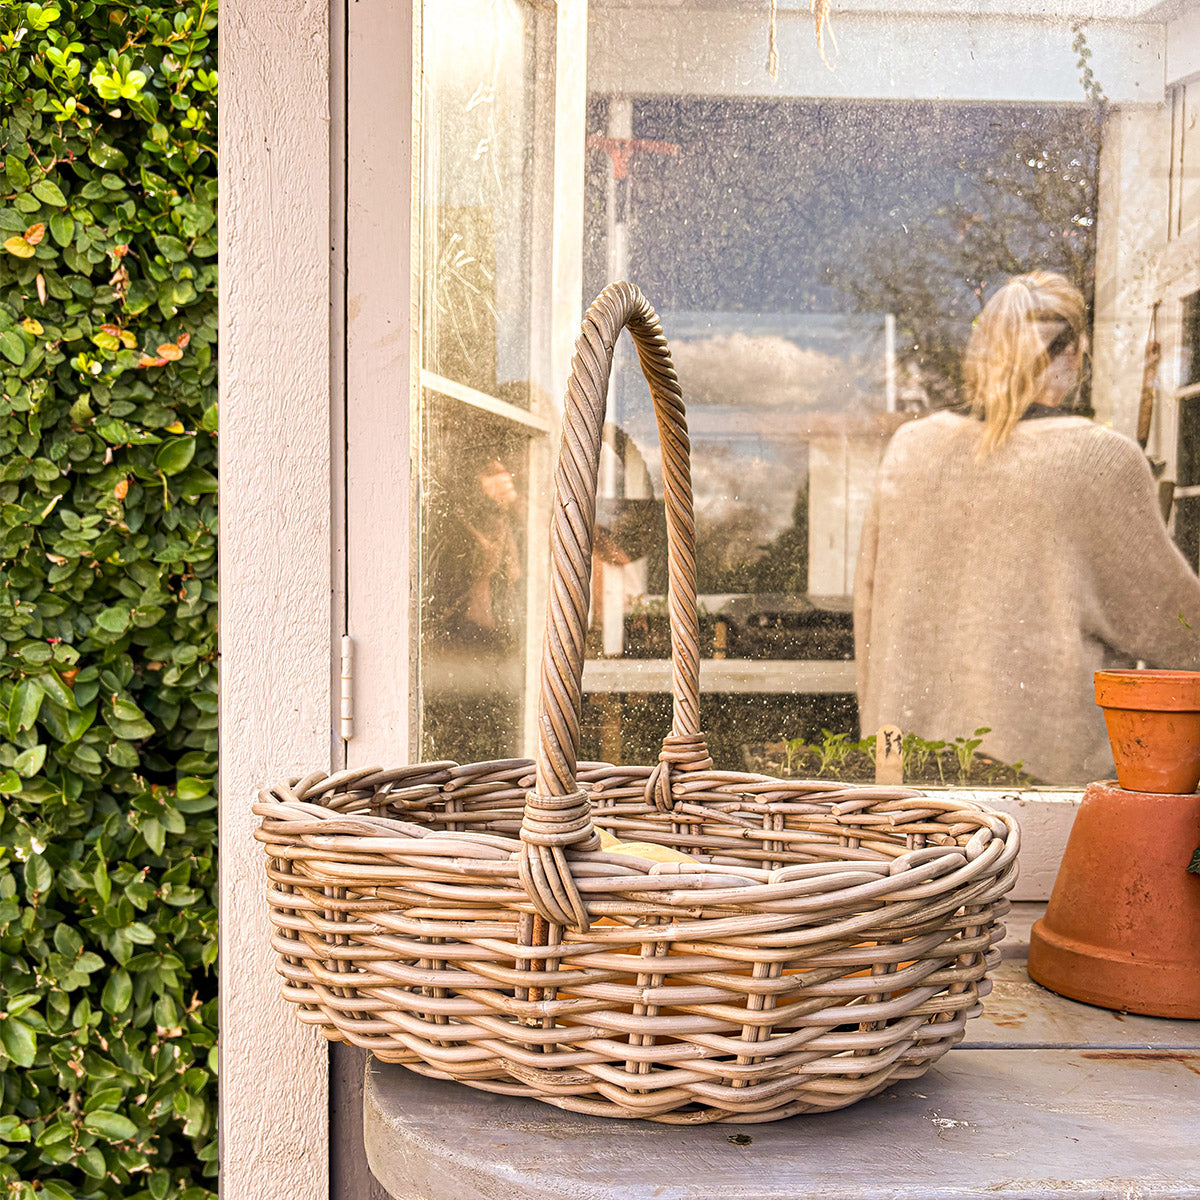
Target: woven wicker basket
x=464 y=921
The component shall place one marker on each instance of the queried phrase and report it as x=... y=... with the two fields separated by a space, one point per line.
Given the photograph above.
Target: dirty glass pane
x=1185 y=164
x=473 y=582
x=820 y=245
x=1189 y=344
x=824 y=226
x=478 y=100
x=478 y=105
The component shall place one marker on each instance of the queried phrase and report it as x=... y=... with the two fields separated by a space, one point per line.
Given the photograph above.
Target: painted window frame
x=381 y=462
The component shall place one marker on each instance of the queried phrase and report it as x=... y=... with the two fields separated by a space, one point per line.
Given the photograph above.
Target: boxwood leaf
x=26 y=703
x=174 y=455
x=19 y=1004
x=122 y=754
x=118 y=992
x=126 y=710
x=109 y=1125
x=48 y=192
x=18 y=247
x=130 y=731
x=18 y=176
x=19 y=1041
x=63 y=228
x=38 y=875
x=13 y=1129
x=172 y=248
x=29 y=762
x=12 y=346
x=191 y=788
x=155 y=835
x=103 y=154
x=57 y=691
x=115 y=619
x=92 y=1162
x=67 y=941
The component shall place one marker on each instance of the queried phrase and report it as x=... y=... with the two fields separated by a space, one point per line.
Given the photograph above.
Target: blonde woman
x=1012 y=550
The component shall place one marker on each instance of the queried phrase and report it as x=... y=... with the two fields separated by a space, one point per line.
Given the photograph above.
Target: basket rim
x=346 y=849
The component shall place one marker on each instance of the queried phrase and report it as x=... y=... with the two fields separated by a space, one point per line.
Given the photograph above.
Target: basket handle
x=557 y=813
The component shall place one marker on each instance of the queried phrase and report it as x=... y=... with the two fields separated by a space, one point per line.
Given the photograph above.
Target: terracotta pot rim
x=1149 y=690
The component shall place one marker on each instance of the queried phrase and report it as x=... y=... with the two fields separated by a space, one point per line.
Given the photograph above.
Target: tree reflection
x=1030 y=204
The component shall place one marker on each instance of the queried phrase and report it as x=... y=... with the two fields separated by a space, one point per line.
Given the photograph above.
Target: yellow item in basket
x=664 y=854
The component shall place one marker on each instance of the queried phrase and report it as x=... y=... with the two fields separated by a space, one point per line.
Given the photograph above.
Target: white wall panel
x=892 y=54
x=275 y=559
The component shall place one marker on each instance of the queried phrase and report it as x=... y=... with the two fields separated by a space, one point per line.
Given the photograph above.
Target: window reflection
x=1186 y=495
x=817 y=266
x=819 y=247
x=473 y=585
x=480 y=98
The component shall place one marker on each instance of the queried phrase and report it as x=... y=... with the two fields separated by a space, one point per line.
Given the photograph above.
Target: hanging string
x=820 y=14
x=773 y=43
x=1150 y=364
x=821 y=22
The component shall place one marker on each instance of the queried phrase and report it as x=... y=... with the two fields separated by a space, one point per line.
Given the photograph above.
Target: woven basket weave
x=464 y=921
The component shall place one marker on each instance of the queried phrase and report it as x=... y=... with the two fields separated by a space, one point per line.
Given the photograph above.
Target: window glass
x=820 y=246
x=480 y=97
x=1187 y=450
x=1185 y=157
x=478 y=106
x=831 y=242
x=1189 y=347
x=473 y=572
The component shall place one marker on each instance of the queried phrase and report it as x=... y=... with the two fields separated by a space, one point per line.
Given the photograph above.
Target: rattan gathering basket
x=818 y=942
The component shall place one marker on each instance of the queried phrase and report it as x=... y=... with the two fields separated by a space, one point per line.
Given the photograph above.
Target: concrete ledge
x=1047 y=1099
x=1012 y=1124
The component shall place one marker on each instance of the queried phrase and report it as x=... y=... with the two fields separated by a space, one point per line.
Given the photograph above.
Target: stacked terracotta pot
x=1122 y=929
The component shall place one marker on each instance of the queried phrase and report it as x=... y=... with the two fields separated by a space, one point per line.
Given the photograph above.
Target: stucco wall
x=275 y=558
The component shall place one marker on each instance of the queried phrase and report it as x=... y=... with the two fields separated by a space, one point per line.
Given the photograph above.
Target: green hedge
x=108 y=708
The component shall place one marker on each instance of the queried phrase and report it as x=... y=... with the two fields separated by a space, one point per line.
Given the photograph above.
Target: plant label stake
x=889 y=756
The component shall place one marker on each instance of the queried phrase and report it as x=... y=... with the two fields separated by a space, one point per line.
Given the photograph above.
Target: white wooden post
x=382 y=376
x=277 y=700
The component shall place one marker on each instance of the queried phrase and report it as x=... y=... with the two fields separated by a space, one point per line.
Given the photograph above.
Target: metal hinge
x=346 y=714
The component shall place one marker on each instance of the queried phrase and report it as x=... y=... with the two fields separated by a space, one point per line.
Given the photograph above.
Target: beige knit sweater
x=988 y=591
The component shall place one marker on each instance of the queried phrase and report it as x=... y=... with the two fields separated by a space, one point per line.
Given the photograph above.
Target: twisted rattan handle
x=557 y=813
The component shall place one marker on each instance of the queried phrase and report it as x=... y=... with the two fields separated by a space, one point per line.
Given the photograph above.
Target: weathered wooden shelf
x=1045 y=1099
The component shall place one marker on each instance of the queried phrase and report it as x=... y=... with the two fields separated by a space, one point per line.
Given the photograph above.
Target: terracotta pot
x=1122 y=929
x=1153 y=720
